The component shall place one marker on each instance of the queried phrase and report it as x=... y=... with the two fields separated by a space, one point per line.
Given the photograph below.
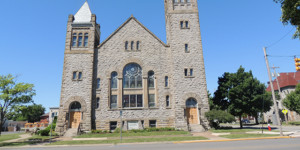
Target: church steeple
x=84 y=14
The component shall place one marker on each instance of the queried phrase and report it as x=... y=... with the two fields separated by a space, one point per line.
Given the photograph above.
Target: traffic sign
x=285 y=111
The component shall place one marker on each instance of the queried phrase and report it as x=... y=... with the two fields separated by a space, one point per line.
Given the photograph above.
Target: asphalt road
x=274 y=144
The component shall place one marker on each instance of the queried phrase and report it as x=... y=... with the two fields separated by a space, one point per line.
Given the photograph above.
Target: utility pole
x=279 y=90
x=273 y=93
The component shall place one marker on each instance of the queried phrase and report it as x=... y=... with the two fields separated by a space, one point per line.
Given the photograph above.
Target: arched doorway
x=192 y=111
x=75 y=114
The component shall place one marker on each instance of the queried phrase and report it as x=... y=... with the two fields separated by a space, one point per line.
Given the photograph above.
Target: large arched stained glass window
x=132 y=76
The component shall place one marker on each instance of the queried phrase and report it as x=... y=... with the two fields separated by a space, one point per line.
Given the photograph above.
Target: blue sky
x=233 y=34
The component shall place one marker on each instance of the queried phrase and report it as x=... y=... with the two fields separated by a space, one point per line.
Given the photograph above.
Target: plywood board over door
x=192 y=115
x=75 y=118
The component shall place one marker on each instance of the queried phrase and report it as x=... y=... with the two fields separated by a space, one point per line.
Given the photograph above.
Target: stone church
x=133 y=79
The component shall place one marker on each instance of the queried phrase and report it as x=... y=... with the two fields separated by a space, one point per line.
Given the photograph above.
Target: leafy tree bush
x=292 y=101
x=215 y=117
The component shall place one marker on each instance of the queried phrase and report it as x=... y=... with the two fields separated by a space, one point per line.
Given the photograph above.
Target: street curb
x=228 y=140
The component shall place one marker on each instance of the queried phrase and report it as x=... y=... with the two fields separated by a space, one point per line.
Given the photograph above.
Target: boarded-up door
x=75 y=118
x=192 y=115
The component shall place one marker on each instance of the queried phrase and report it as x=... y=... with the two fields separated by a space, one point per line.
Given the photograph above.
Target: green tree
x=30 y=113
x=292 y=101
x=291 y=14
x=240 y=93
x=12 y=94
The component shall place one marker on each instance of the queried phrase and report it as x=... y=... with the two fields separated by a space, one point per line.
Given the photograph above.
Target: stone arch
x=194 y=96
x=75 y=99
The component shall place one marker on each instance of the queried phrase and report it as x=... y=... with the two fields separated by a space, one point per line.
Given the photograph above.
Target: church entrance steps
x=70 y=133
x=195 y=128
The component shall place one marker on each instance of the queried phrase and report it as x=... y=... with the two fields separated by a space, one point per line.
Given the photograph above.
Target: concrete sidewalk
x=22 y=137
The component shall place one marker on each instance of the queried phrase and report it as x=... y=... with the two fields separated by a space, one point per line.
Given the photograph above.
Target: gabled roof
x=127 y=21
x=285 y=80
x=84 y=14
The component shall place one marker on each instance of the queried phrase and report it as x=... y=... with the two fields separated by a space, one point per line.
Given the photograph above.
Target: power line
x=281 y=38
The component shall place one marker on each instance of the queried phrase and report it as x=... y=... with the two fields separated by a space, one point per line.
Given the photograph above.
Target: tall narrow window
x=151 y=79
x=168 y=101
x=186 y=24
x=113 y=102
x=132 y=76
x=86 y=39
x=114 y=80
x=74 y=75
x=181 y=25
x=79 y=75
x=74 y=40
x=188 y=1
x=98 y=83
x=186 y=48
x=181 y=1
x=175 y=1
x=166 y=81
x=79 y=39
x=126 y=45
x=191 y=72
x=186 y=72
x=138 y=45
x=97 y=103
x=132 y=45
x=151 y=100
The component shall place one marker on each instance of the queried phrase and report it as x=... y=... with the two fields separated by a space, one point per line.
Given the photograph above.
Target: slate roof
x=84 y=14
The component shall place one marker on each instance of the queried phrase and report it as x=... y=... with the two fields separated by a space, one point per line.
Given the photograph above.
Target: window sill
x=167 y=87
x=133 y=88
x=189 y=77
x=98 y=89
x=153 y=108
x=168 y=107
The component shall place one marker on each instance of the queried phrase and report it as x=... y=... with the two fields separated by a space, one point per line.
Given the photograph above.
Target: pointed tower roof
x=84 y=14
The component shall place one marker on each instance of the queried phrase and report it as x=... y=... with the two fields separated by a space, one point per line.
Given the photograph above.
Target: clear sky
x=233 y=32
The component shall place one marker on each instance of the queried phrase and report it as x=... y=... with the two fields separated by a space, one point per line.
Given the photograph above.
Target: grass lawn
x=237 y=136
x=161 y=133
x=234 y=130
x=9 y=137
x=134 y=140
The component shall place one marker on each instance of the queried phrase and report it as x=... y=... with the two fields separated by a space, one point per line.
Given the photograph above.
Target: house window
x=86 y=39
x=114 y=80
x=98 y=83
x=186 y=48
x=175 y=1
x=138 y=45
x=132 y=45
x=151 y=100
x=74 y=75
x=189 y=72
x=74 y=40
x=113 y=101
x=188 y=1
x=132 y=76
x=126 y=45
x=151 y=79
x=166 y=81
x=133 y=101
x=168 y=101
x=152 y=123
x=79 y=75
x=98 y=103
x=79 y=39
x=113 y=125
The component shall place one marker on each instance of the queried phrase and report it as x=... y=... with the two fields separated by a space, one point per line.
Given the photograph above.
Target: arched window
x=75 y=106
x=79 y=39
x=166 y=81
x=151 y=79
x=132 y=76
x=167 y=101
x=98 y=83
x=191 y=103
x=132 y=45
x=114 y=80
x=126 y=45
x=86 y=39
x=138 y=45
x=74 y=40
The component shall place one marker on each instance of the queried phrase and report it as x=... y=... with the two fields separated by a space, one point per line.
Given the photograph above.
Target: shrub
x=44 y=132
x=218 y=116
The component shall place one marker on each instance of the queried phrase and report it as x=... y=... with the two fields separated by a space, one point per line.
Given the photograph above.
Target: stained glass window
x=132 y=76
